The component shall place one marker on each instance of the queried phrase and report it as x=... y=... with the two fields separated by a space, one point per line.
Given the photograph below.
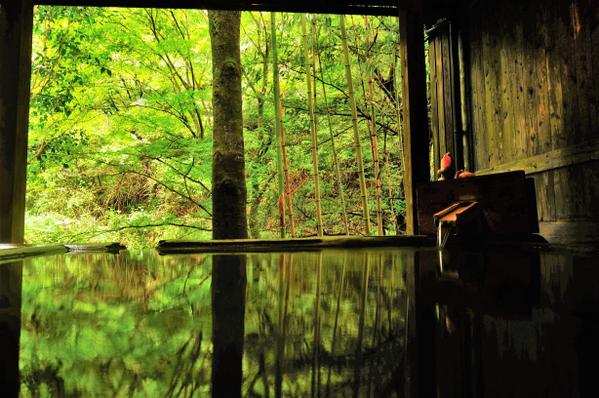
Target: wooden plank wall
x=444 y=110
x=533 y=73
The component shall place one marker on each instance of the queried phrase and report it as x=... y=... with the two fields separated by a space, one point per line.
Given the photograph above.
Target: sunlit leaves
x=121 y=120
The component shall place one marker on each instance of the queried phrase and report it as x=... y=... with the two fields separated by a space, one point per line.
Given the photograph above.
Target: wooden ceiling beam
x=356 y=7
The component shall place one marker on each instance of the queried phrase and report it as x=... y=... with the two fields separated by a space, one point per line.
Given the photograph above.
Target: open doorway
x=120 y=124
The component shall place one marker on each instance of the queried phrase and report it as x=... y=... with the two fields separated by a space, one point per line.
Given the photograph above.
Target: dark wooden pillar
x=11 y=280
x=16 y=18
x=415 y=122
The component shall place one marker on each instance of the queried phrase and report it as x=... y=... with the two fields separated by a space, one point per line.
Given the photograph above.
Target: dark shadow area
x=228 y=312
x=499 y=324
x=10 y=327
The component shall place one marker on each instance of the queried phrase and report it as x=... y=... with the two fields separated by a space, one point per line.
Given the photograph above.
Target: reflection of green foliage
x=140 y=325
x=113 y=324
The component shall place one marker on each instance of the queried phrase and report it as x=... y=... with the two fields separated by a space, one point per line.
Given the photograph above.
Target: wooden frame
x=415 y=119
x=16 y=24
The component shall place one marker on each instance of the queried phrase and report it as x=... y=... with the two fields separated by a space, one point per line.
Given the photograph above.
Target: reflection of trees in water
x=338 y=359
x=189 y=362
x=128 y=325
x=116 y=325
x=229 y=281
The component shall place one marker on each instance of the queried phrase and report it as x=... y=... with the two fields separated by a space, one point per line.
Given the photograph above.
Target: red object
x=447 y=170
x=446 y=162
x=464 y=174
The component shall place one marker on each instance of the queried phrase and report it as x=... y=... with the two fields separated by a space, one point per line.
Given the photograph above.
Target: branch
x=162 y=184
x=184 y=175
x=96 y=233
x=363 y=116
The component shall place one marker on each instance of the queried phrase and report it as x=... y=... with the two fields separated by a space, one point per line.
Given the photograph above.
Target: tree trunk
x=228 y=203
x=357 y=145
x=228 y=166
x=313 y=135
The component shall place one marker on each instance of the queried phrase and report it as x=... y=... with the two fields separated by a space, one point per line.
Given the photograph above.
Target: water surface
x=335 y=323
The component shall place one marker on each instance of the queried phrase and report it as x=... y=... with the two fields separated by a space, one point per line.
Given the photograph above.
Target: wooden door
x=444 y=93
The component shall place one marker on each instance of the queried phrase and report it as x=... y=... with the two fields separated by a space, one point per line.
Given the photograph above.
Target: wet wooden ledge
x=113 y=247
x=10 y=252
x=299 y=244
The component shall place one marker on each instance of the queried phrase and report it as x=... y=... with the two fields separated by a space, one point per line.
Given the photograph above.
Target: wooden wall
x=532 y=98
x=443 y=92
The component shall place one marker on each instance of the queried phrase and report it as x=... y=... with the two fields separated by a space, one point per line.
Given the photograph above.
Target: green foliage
x=120 y=125
x=140 y=325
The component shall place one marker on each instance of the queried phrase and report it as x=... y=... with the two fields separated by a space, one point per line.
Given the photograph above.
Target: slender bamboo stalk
x=275 y=76
x=332 y=136
x=288 y=190
x=313 y=135
x=399 y=123
x=387 y=172
x=357 y=145
x=374 y=146
x=281 y=130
